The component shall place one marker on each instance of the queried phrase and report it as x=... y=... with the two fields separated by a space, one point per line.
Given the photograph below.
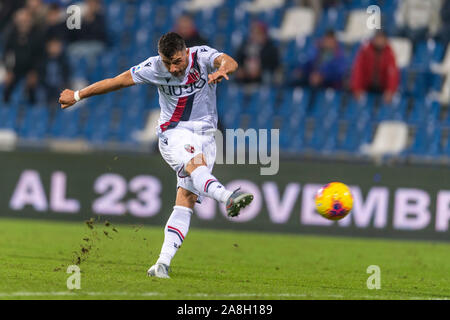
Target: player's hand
x=67 y=98
x=217 y=76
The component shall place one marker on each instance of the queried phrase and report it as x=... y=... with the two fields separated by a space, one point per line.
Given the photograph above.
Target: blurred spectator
x=54 y=70
x=23 y=48
x=444 y=33
x=418 y=19
x=258 y=57
x=91 y=39
x=56 y=22
x=38 y=12
x=7 y=10
x=375 y=69
x=325 y=65
x=186 y=28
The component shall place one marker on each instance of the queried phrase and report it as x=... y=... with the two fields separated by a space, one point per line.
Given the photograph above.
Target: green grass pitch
x=212 y=264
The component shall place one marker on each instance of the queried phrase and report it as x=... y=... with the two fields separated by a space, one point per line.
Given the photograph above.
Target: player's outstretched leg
x=209 y=186
x=175 y=231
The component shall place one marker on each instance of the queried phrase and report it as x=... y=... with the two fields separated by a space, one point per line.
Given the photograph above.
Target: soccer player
x=186 y=79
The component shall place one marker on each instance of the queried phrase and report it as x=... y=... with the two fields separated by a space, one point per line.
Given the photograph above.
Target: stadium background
x=322 y=128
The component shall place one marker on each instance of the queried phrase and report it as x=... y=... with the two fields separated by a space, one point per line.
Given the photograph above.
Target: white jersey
x=186 y=101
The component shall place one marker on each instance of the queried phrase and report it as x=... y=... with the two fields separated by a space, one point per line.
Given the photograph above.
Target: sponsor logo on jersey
x=195 y=81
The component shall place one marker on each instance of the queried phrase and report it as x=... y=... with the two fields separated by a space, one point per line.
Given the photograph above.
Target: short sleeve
x=143 y=72
x=207 y=55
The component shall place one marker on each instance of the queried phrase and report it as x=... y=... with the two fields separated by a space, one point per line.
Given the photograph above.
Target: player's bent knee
x=194 y=163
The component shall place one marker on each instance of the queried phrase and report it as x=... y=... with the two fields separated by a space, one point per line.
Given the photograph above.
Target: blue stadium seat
x=356 y=134
x=424 y=110
x=294 y=52
x=32 y=129
x=331 y=19
x=355 y=108
x=96 y=127
x=426 y=53
x=8 y=116
x=359 y=4
x=446 y=146
x=427 y=140
x=293 y=107
x=326 y=104
x=65 y=124
x=393 y=111
x=293 y=140
x=322 y=131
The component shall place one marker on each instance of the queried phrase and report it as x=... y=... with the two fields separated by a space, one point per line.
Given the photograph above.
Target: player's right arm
x=67 y=97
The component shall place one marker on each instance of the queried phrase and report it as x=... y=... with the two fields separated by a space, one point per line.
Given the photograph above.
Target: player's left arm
x=225 y=66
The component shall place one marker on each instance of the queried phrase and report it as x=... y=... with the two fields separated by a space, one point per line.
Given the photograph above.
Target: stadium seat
x=391 y=138
x=356 y=29
x=446 y=146
x=324 y=132
x=359 y=4
x=293 y=107
x=326 y=105
x=425 y=110
x=256 y=6
x=147 y=134
x=195 y=5
x=291 y=29
x=403 y=50
x=444 y=66
x=331 y=19
x=427 y=141
x=444 y=95
x=293 y=140
x=8 y=116
x=427 y=53
x=65 y=124
x=354 y=108
x=293 y=52
x=32 y=129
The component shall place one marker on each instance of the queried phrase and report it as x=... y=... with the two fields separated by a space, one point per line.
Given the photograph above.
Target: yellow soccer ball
x=334 y=201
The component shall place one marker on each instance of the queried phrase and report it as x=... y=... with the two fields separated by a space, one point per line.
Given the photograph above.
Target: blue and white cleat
x=237 y=201
x=159 y=270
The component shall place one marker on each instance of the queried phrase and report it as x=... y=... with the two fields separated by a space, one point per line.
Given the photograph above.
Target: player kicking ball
x=186 y=79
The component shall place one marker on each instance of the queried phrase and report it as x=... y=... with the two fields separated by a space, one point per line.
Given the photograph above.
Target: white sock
x=208 y=185
x=175 y=231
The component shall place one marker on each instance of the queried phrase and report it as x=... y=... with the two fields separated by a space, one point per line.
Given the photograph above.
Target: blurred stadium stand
x=327 y=123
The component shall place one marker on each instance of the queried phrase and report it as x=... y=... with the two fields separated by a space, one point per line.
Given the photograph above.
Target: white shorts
x=179 y=145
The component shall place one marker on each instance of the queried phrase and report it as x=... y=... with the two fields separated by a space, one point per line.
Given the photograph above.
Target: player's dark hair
x=170 y=43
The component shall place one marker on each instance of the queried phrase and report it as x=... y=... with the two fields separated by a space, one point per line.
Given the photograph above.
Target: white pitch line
x=203 y=295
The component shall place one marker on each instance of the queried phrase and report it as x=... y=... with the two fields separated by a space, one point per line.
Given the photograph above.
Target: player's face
x=178 y=63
